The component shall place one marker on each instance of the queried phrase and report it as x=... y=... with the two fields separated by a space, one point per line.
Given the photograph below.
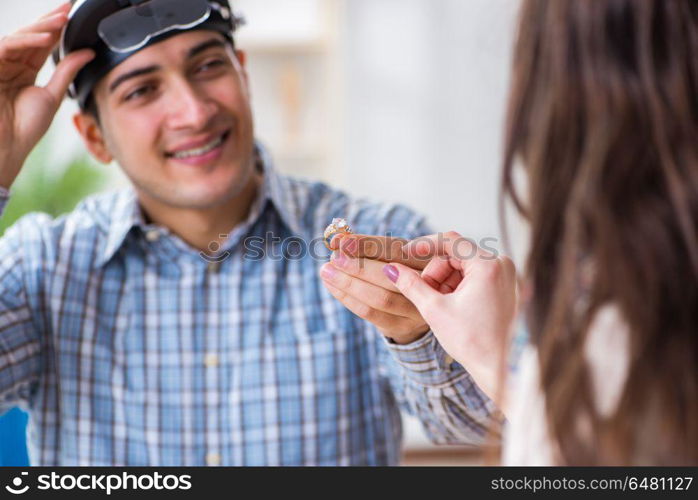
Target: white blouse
x=526 y=437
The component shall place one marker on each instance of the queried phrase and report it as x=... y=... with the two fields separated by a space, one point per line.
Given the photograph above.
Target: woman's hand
x=26 y=111
x=355 y=277
x=469 y=299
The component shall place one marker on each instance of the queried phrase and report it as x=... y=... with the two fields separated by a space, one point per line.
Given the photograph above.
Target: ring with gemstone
x=336 y=226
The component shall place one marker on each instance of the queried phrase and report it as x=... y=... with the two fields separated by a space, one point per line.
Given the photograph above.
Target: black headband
x=95 y=24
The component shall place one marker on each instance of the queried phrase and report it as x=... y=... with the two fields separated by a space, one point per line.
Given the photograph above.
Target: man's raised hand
x=26 y=110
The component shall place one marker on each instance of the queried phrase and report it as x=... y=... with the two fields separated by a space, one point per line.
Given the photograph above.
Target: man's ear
x=92 y=136
x=242 y=58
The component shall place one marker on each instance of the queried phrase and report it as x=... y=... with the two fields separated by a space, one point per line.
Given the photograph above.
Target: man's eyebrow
x=193 y=52
x=204 y=46
x=132 y=74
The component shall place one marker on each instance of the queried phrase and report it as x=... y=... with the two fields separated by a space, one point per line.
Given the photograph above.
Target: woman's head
x=604 y=118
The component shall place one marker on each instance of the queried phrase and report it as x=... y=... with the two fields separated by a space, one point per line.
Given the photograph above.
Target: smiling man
x=126 y=343
x=176 y=117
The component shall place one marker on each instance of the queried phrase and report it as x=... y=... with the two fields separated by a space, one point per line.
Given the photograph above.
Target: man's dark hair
x=91 y=108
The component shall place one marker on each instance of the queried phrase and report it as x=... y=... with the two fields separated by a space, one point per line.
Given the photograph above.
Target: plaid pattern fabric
x=129 y=348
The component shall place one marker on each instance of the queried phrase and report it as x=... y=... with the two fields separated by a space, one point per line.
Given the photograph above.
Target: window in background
x=294 y=56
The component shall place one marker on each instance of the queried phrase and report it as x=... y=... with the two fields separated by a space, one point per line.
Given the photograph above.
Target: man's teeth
x=190 y=153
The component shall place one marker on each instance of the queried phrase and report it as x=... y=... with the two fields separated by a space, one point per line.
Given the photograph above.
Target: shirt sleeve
x=441 y=393
x=19 y=340
x=430 y=385
x=4 y=198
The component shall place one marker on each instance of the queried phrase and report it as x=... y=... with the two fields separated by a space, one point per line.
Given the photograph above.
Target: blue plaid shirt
x=129 y=348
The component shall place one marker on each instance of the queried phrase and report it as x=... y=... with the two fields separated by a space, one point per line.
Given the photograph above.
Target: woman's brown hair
x=603 y=117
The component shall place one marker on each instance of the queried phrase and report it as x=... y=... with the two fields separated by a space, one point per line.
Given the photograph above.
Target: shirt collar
x=280 y=191
x=124 y=213
x=119 y=218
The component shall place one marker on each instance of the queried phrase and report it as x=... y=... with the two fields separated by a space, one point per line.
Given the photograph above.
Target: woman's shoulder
x=527 y=440
x=526 y=437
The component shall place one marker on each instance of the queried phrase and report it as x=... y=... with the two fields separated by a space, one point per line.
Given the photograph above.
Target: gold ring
x=337 y=226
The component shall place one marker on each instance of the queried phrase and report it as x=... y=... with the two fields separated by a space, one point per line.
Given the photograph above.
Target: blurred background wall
x=399 y=100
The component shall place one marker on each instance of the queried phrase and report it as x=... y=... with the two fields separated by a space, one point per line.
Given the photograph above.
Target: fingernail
x=392 y=273
x=339 y=258
x=350 y=247
x=328 y=272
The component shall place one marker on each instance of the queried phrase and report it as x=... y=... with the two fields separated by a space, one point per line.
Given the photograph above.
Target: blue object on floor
x=13 y=438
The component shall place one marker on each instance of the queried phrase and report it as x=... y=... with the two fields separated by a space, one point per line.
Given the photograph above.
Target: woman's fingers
x=441 y=275
x=382 y=320
x=452 y=244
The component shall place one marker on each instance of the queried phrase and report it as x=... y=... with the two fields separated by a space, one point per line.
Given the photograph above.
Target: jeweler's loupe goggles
x=117 y=29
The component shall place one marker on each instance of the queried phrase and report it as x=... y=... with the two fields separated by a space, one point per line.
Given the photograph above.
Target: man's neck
x=201 y=228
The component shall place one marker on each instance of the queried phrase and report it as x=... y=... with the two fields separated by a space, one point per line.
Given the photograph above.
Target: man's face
x=176 y=117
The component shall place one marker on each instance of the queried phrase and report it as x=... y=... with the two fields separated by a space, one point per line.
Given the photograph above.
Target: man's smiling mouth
x=199 y=151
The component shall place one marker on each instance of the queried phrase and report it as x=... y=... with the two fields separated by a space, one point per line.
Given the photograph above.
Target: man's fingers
x=374 y=296
x=46 y=31
x=382 y=248
x=66 y=71
x=378 y=318
x=12 y=45
x=52 y=23
x=370 y=247
x=64 y=7
x=334 y=241
x=367 y=270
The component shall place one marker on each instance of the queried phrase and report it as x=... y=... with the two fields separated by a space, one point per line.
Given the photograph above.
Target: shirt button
x=213 y=459
x=213 y=267
x=449 y=361
x=211 y=360
x=152 y=236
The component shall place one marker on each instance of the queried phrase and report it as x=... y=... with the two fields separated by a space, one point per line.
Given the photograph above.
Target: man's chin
x=207 y=194
x=202 y=191
x=202 y=199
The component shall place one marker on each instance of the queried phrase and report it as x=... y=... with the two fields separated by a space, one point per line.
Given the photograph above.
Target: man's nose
x=189 y=107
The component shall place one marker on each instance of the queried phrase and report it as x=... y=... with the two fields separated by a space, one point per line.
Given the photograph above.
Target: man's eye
x=139 y=92
x=209 y=65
